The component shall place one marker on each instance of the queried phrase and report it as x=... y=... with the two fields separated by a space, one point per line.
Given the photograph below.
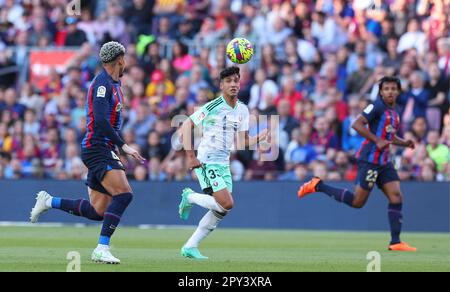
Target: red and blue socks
x=78 y=207
x=113 y=215
x=395 y=221
x=340 y=195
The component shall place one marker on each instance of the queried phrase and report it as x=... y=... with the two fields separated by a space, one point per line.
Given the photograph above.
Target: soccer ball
x=239 y=50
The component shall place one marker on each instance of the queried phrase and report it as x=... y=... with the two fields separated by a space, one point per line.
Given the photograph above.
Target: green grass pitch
x=234 y=250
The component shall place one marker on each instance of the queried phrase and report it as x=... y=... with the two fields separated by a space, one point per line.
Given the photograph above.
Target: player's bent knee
x=396 y=199
x=100 y=213
x=121 y=190
x=358 y=204
x=228 y=205
x=224 y=199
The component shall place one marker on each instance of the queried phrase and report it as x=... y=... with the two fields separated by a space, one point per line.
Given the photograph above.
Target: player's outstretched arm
x=402 y=142
x=186 y=139
x=133 y=152
x=360 y=126
x=251 y=141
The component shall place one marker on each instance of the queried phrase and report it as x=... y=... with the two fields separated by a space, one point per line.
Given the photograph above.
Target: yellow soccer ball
x=240 y=50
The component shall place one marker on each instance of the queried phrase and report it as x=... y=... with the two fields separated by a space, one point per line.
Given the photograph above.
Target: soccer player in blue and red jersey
x=108 y=188
x=374 y=166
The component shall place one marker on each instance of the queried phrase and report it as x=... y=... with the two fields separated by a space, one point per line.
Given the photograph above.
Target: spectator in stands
x=351 y=140
x=413 y=38
x=156 y=78
x=155 y=173
x=141 y=123
x=31 y=125
x=287 y=122
x=438 y=86
x=419 y=129
x=326 y=31
x=443 y=50
x=153 y=148
x=289 y=93
x=50 y=151
x=356 y=80
x=307 y=84
x=71 y=159
x=300 y=150
x=439 y=153
x=31 y=99
x=392 y=59
x=140 y=173
x=39 y=30
x=151 y=56
x=319 y=169
x=414 y=102
x=75 y=37
x=261 y=170
x=182 y=61
x=11 y=104
x=323 y=137
x=138 y=14
x=5 y=139
x=261 y=91
x=164 y=32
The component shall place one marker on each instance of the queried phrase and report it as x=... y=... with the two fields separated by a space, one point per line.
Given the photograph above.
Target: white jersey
x=220 y=122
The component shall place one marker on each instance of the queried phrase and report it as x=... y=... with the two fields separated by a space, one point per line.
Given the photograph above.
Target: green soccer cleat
x=184 y=209
x=192 y=253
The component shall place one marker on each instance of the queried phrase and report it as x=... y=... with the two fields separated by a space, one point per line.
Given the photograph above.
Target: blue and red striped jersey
x=384 y=122
x=104 y=104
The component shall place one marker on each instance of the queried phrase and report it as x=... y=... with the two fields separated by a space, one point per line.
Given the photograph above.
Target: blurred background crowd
x=316 y=66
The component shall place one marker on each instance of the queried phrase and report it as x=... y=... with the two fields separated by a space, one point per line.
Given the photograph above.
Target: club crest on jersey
x=119 y=107
x=101 y=91
x=390 y=129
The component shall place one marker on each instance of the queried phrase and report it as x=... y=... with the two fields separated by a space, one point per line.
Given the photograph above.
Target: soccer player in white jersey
x=221 y=119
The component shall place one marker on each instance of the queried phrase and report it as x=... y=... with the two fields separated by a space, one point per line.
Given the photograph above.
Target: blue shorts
x=99 y=161
x=370 y=174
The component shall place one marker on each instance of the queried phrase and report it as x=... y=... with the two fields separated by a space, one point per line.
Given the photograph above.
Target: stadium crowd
x=316 y=66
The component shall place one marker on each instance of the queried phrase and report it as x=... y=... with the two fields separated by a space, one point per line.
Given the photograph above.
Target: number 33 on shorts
x=213 y=173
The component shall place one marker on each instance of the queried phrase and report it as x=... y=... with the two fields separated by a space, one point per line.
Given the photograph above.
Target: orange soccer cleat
x=402 y=246
x=308 y=187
